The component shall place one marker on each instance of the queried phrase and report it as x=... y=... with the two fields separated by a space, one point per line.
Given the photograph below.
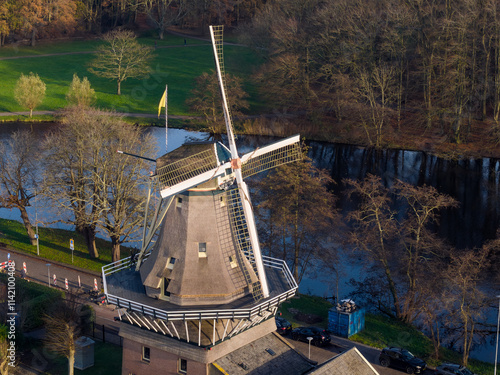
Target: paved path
x=37 y=270
x=145 y=115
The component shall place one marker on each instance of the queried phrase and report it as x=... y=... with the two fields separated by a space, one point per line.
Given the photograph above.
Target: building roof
x=269 y=354
x=350 y=362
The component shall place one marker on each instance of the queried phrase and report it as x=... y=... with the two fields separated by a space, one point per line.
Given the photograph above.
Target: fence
x=106 y=334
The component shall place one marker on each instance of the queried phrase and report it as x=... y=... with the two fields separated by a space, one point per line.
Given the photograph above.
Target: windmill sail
x=216 y=35
x=271 y=156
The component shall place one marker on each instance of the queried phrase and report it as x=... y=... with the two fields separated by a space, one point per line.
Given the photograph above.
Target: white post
x=498 y=328
x=166 y=118
x=36 y=225
x=309 y=339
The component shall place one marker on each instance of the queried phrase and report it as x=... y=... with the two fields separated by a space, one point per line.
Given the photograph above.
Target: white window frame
x=202 y=249
x=179 y=366
x=144 y=358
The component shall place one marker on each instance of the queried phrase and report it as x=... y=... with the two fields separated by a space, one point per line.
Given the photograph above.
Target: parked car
x=401 y=359
x=319 y=335
x=453 y=369
x=283 y=326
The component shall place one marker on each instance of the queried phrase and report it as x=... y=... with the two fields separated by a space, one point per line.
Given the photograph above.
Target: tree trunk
x=119 y=91
x=115 y=250
x=27 y=225
x=71 y=362
x=89 y=233
x=33 y=37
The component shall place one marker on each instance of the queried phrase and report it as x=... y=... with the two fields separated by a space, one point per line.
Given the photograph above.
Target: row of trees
x=377 y=63
x=35 y=19
x=409 y=273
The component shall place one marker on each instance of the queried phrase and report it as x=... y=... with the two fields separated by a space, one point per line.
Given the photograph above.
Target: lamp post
x=309 y=339
x=498 y=328
x=36 y=225
x=48 y=272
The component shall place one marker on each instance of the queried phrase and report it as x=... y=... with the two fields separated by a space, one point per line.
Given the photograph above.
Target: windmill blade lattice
x=241 y=237
x=184 y=169
x=272 y=156
x=217 y=40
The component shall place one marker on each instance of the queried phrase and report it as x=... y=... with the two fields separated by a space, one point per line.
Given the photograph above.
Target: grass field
x=174 y=65
x=54 y=245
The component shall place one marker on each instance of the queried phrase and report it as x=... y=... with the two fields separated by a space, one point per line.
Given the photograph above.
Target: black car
x=283 y=327
x=319 y=335
x=402 y=359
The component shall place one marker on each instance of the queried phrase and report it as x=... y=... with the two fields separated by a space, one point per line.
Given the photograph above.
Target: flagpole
x=166 y=118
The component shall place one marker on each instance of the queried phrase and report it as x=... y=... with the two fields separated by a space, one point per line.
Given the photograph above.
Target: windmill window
x=171 y=263
x=179 y=202
x=146 y=354
x=202 y=249
x=232 y=261
x=182 y=366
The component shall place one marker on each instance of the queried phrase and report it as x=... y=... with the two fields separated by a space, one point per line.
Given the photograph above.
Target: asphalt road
x=339 y=345
x=38 y=270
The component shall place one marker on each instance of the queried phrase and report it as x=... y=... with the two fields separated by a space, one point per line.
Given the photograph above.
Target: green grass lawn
x=174 y=65
x=54 y=245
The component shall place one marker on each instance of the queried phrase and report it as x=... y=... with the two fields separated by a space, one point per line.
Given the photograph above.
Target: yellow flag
x=162 y=103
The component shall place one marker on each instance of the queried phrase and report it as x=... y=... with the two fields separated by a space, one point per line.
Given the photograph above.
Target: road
x=339 y=345
x=37 y=270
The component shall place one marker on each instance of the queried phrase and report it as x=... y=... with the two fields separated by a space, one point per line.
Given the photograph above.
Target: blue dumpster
x=346 y=324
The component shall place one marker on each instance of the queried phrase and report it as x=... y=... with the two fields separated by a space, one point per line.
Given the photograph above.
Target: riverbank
x=479 y=144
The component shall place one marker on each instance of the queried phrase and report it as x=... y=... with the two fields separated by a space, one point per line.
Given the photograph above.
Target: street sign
x=71 y=244
x=55 y=279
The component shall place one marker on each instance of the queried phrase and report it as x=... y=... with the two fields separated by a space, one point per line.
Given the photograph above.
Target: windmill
x=206 y=261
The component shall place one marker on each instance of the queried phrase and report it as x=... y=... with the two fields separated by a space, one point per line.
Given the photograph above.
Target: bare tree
x=375 y=230
x=19 y=174
x=422 y=247
x=124 y=180
x=400 y=243
x=29 y=91
x=62 y=328
x=465 y=300
x=376 y=89
x=121 y=57
x=296 y=214
x=205 y=98
x=164 y=13
x=87 y=178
